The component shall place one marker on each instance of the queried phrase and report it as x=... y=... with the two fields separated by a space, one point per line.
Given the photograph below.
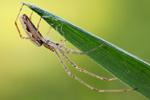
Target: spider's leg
x=17 y=25
x=69 y=51
x=82 y=70
x=73 y=76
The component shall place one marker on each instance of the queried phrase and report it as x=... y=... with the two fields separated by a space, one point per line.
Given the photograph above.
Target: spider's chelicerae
x=35 y=37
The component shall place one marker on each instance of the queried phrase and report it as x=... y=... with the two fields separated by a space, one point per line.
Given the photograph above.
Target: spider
x=35 y=37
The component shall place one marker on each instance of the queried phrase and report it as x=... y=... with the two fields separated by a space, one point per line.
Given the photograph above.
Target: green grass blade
x=128 y=68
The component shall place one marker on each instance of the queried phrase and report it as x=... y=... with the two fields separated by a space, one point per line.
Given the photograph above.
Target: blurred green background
x=28 y=72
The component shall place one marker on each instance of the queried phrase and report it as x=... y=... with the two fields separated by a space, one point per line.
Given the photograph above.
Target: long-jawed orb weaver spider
x=35 y=37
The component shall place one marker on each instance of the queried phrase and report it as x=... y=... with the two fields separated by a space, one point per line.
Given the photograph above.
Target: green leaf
x=128 y=68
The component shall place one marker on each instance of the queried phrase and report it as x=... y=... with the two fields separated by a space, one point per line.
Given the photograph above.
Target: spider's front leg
x=17 y=25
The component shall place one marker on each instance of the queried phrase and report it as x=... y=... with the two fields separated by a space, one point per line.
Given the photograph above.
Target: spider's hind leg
x=85 y=71
x=73 y=76
x=70 y=51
